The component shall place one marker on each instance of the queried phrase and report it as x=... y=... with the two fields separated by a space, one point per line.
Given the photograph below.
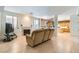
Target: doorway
x=64 y=26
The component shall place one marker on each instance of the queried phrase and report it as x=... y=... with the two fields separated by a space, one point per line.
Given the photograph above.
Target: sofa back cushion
x=37 y=36
x=51 y=33
x=46 y=34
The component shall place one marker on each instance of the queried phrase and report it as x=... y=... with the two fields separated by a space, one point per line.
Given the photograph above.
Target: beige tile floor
x=64 y=42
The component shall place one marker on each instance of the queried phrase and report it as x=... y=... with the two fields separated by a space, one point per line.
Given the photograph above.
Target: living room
x=27 y=19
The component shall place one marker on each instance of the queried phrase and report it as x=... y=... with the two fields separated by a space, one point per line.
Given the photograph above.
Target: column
x=55 y=25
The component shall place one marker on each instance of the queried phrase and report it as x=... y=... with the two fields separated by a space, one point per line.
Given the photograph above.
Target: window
x=9 y=19
x=36 y=23
x=12 y=20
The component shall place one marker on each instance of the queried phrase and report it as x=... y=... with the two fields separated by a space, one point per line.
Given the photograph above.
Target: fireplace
x=26 y=31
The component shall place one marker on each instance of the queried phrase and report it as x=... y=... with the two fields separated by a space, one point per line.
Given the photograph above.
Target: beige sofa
x=51 y=34
x=46 y=34
x=39 y=36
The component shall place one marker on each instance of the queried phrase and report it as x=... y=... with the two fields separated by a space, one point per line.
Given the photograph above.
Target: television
x=9 y=28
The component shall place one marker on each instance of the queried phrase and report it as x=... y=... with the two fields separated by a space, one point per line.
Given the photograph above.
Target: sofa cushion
x=46 y=34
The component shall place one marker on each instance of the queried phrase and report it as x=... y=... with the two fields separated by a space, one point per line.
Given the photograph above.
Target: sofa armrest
x=29 y=40
x=28 y=37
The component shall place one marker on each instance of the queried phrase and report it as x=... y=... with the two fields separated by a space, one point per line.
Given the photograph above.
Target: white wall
x=27 y=21
x=1 y=19
x=0 y=22
x=75 y=25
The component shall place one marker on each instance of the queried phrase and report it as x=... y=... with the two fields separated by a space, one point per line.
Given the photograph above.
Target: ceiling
x=40 y=10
